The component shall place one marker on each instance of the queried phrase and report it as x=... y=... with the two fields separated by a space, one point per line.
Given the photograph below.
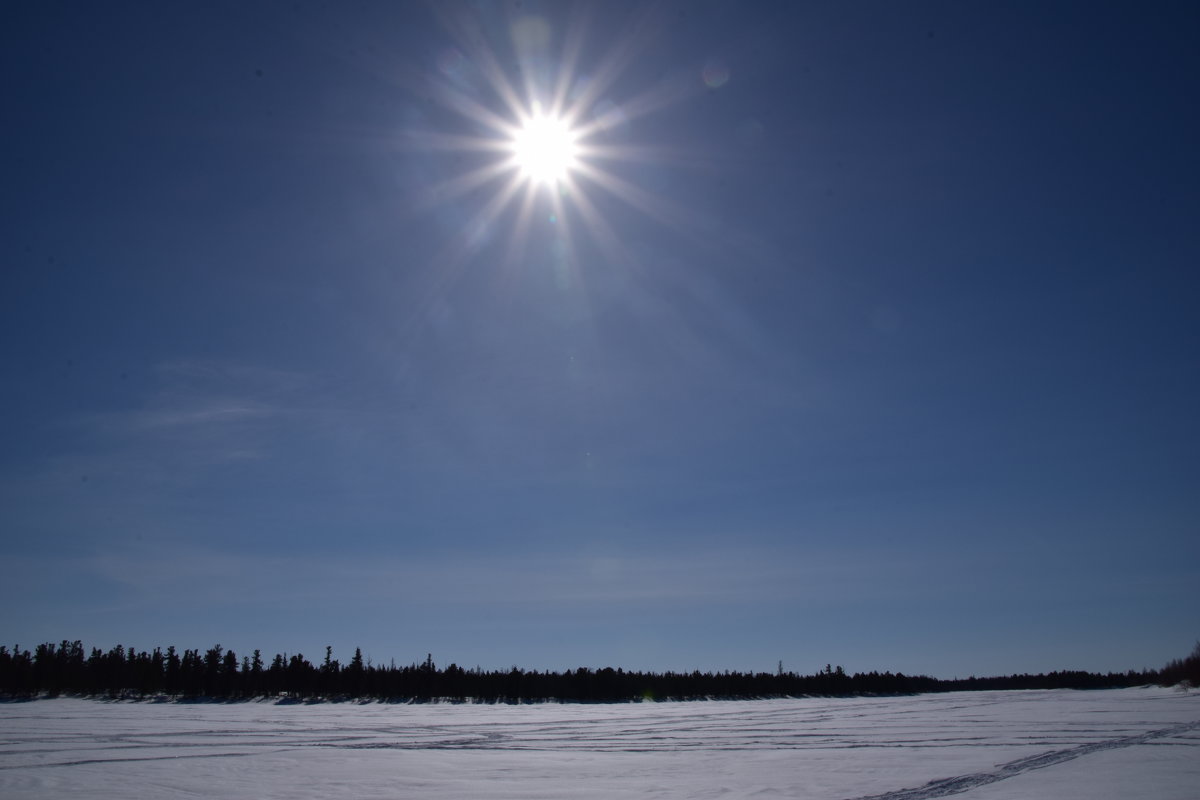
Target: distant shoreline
x=218 y=675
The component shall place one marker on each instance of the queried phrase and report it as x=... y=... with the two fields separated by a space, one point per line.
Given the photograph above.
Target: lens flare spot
x=715 y=73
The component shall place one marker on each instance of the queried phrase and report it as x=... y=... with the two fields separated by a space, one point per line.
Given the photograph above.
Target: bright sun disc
x=544 y=150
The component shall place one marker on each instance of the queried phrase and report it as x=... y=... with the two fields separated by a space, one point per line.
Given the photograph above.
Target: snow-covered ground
x=1128 y=743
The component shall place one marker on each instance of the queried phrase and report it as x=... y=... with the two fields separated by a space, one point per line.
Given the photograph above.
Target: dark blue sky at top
x=882 y=350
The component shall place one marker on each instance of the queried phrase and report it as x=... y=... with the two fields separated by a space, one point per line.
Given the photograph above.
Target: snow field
x=981 y=745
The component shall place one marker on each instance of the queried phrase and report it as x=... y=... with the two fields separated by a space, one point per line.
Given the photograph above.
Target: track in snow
x=945 y=787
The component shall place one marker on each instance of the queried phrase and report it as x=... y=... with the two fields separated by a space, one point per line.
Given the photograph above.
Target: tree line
x=217 y=673
x=1184 y=671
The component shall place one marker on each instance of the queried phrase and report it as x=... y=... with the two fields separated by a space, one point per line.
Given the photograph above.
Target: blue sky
x=861 y=333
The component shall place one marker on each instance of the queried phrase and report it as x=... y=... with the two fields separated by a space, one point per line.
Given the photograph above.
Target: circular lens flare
x=544 y=149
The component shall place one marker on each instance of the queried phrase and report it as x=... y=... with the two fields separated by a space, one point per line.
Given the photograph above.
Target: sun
x=544 y=149
x=551 y=136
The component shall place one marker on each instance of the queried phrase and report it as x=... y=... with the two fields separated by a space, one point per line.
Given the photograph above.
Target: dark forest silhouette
x=216 y=673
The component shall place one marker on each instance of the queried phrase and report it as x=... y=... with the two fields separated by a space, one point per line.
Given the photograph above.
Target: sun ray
x=521 y=229
x=572 y=50
x=552 y=150
x=570 y=260
x=530 y=37
x=641 y=154
x=656 y=207
x=462 y=184
x=465 y=28
x=476 y=111
x=599 y=229
x=613 y=65
x=451 y=259
x=458 y=143
x=667 y=92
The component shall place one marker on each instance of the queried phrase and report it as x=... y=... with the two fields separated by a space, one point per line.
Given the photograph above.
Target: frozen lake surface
x=1122 y=743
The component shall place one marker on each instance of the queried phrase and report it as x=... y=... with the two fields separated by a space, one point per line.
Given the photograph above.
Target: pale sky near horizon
x=861 y=333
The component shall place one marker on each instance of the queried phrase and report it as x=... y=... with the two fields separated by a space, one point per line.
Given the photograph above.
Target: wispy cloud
x=216 y=414
x=573 y=582
x=200 y=406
